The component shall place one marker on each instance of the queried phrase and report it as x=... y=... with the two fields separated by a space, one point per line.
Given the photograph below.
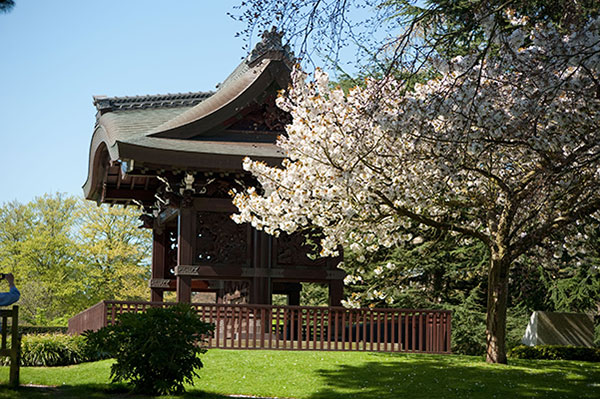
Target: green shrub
x=51 y=350
x=156 y=351
x=468 y=327
x=468 y=331
x=517 y=319
x=556 y=352
x=35 y=330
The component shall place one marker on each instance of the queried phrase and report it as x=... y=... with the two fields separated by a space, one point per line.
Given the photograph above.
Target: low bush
x=35 y=330
x=52 y=350
x=468 y=326
x=156 y=351
x=468 y=331
x=556 y=352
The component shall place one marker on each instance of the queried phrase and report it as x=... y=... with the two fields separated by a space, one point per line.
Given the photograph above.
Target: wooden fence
x=14 y=350
x=300 y=327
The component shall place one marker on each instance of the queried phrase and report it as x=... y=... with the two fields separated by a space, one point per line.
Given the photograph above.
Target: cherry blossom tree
x=503 y=149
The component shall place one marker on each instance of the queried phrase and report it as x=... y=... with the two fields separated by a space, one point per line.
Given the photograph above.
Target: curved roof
x=189 y=130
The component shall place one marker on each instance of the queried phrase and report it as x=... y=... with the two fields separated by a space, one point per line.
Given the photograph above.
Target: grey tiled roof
x=178 y=130
x=106 y=104
x=127 y=124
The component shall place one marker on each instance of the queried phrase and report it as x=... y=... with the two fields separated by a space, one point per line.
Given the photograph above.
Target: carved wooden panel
x=219 y=240
x=266 y=117
x=236 y=292
x=159 y=283
x=218 y=187
x=292 y=250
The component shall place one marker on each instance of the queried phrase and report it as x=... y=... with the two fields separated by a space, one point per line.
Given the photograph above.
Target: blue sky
x=55 y=55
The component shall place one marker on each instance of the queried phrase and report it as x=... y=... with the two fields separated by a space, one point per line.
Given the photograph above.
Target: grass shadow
x=92 y=391
x=425 y=376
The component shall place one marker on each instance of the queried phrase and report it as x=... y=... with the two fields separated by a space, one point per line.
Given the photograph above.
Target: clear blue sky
x=55 y=55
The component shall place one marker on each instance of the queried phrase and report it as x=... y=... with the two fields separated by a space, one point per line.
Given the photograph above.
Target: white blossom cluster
x=504 y=149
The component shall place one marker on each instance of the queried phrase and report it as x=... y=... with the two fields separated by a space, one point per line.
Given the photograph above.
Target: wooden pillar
x=260 y=288
x=186 y=234
x=294 y=297
x=336 y=292
x=159 y=259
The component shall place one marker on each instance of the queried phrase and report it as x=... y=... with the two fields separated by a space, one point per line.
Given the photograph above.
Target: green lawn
x=322 y=375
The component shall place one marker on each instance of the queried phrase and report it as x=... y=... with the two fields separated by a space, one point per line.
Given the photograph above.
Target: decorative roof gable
x=199 y=131
x=271 y=45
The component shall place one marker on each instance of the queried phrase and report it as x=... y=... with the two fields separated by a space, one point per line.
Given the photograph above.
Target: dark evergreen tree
x=6 y=5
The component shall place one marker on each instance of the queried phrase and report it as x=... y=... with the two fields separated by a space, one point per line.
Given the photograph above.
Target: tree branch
x=402 y=211
x=536 y=236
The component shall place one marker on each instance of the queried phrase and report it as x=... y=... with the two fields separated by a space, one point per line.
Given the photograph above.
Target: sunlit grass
x=324 y=375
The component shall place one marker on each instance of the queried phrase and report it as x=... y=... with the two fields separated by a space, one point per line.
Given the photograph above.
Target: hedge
x=52 y=350
x=29 y=330
x=556 y=352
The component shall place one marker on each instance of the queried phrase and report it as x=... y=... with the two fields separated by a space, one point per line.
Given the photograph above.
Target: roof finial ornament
x=271 y=45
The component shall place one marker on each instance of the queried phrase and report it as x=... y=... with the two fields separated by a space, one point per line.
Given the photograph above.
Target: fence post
x=104 y=314
x=15 y=349
x=449 y=334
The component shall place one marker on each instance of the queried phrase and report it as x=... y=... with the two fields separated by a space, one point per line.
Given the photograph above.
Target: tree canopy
x=6 y=5
x=68 y=254
x=400 y=35
x=503 y=149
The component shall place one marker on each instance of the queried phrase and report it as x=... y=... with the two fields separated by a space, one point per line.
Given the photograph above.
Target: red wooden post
x=401 y=347
x=336 y=330
x=263 y=325
x=329 y=325
x=247 y=329
x=255 y=326
x=343 y=330
x=260 y=287
x=413 y=322
x=113 y=314
x=385 y=331
x=322 y=325
x=336 y=292
x=277 y=330
x=449 y=333
x=300 y=322
x=406 y=319
x=286 y=328
x=314 y=328
x=421 y=333
x=270 y=326
x=378 y=331
x=210 y=320
x=239 y=320
x=185 y=249
x=159 y=257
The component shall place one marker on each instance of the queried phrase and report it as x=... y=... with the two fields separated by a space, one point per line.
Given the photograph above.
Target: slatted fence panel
x=302 y=327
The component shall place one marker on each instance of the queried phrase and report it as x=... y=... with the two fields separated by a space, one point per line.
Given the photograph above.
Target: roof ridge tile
x=125 y=103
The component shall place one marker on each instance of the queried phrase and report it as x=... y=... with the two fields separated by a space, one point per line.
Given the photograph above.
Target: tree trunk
x=496 y=308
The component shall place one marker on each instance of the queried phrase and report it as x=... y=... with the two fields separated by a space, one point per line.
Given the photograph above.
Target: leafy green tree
x=67 y=255
x=432 y=268
x=37 y=244
x=314 y=294
x=114 y=252
x=570 y=270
